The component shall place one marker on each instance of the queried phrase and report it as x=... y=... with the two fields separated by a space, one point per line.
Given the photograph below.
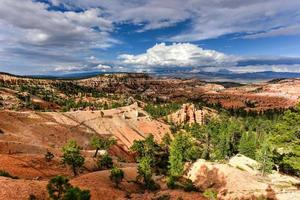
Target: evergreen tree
x=116 y=175
x=151 y=158
x=180 y=149
x=286 y=139
x=102 y=143
x=71 y=156
x=247 y=145
x=144 y=169
x=147 y=147
x=76 y=193
x=57 y=187
x=264 y=157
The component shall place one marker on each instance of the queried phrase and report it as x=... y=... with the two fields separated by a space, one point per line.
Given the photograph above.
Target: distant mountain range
x=226 y=75
x=219 y=76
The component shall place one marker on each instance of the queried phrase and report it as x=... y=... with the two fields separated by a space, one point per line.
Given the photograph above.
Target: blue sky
x=64 y=36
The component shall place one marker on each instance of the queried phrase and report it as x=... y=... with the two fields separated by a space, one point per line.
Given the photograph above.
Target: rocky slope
x=263 y=96
x=240 y=179
x=34 y=132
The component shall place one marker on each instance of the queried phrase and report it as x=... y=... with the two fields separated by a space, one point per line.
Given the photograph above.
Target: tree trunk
x=95 y=155
x=74 y=170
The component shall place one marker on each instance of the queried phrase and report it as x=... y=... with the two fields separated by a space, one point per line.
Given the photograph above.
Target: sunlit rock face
x=190 y=114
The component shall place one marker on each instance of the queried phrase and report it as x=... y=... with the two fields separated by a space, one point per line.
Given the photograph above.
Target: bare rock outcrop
x=189 y=114
x=240 y=179
x=230 y=182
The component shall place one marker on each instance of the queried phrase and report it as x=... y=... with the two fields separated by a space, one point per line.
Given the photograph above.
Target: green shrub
x=171 y=182
x=105 y=162
x=211 y=194
x=189 y=186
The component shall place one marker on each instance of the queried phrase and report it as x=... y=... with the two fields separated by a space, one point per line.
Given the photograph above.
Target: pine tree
x=71 y=156
x=264 y=156
x=180 y=149
x=116 y=175
x=247 y=145
x=57 y=187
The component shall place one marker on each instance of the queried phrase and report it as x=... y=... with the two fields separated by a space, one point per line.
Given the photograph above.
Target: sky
x=69 y=36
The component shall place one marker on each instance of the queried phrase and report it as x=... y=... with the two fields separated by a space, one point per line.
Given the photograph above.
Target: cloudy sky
x=63 y=36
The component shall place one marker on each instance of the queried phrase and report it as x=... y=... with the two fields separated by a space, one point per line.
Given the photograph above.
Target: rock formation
x=239 y=179
x=189 y=114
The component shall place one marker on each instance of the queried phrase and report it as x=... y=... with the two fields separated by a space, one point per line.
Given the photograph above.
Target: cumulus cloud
x=189 y=56
x=179 y=54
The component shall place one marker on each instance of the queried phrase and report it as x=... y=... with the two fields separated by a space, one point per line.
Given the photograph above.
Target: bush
x=211 y=194
x=151 y=185
x=171 y=182
x=8 y=175
x=105 y=162
x=32 y=197
x=49 y=156
x=116 y=175
x=189 y=186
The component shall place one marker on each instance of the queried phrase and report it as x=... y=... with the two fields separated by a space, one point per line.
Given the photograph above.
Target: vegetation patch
x=8 y=175
x=161 y=110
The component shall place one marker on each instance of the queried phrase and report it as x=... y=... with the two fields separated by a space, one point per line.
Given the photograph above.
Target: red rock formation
x=189 y=114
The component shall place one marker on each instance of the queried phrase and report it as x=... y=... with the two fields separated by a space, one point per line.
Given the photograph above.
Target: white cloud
x=295 y=68
x=34 y=24
x=208 y=19
x=101 y=66
x=288 y=30
x=179 y=54
x=34 y=36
